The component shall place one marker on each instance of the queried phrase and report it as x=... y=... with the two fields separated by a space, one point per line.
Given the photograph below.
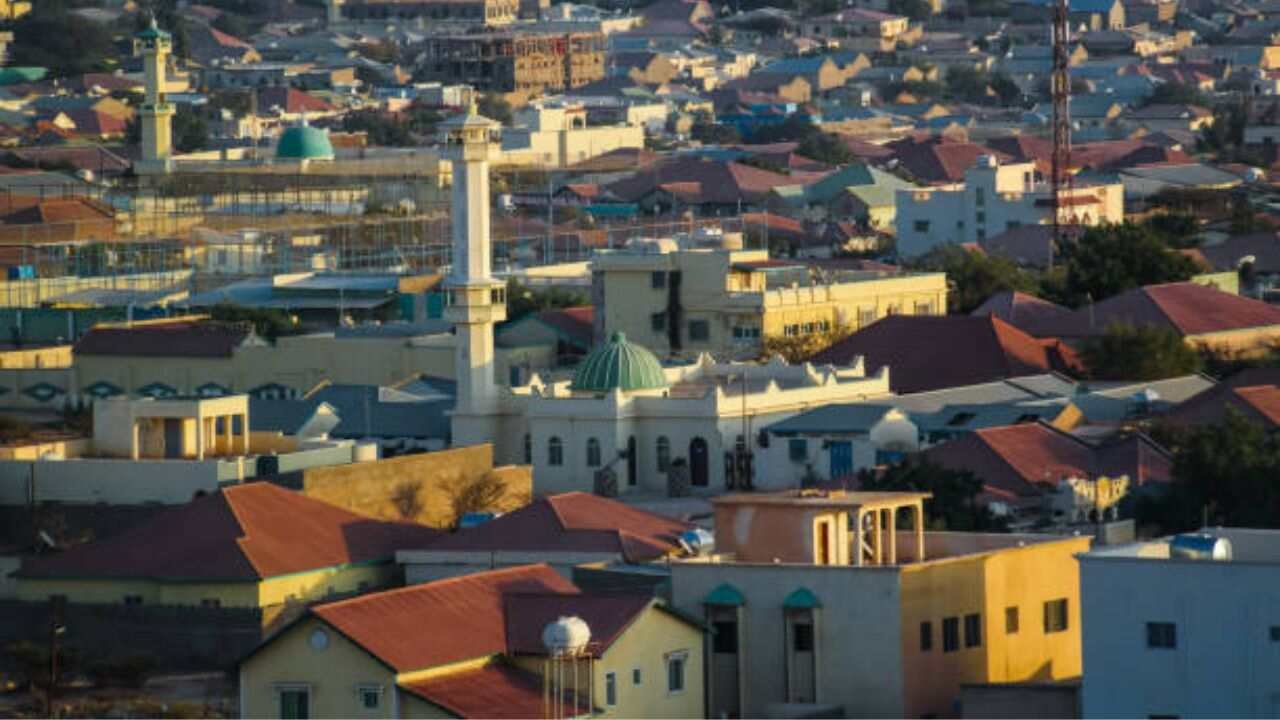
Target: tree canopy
x=523 y=300
x=1108 y=260
x=1126 y=352
x=67 y=44
x=955 y=494
x=975 y=276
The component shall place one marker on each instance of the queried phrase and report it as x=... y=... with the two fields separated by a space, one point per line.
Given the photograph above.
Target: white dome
x=566 y=636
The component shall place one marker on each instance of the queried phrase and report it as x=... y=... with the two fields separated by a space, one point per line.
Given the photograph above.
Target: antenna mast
x=1060 y=88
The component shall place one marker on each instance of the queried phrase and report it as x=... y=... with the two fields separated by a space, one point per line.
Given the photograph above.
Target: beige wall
x=371 y=488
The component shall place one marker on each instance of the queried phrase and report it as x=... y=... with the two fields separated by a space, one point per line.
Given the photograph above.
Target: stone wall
x=417 y=487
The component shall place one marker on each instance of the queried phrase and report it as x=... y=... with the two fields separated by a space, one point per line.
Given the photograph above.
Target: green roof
x=303 y=142
x=619 y=365
x=725 y=595
x=153 y=32
x=15 y=75
x=801 y=599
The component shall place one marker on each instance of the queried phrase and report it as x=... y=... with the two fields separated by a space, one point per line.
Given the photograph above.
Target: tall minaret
x=475 y=300
x=153 y=45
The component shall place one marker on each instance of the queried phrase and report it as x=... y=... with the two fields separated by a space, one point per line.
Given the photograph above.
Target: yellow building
x=246 y=546
x=683 y=301
x=814 y=601
x=13 y=9
x=471 y=646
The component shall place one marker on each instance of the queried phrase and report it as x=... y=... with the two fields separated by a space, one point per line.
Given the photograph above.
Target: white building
x=1169 y=631
x=993 y=199
x=555 y=136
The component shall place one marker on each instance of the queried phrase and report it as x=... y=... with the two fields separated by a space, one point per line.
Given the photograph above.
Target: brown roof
x=495 y=690
x=181 y=338
x=291 y=100
x=1260 y=403
x=57 y=210
x=243 y=533
x=1186 y=307
x=1023 y=461
x=575 y=324
x=574 y=522
x=438 y=623
x=716 y=181
x=939 y=160
x=615 y=160
x=1025 y=312
x=608 y=616
x=926 y=352
x=1263 y=247
x=1026 y=245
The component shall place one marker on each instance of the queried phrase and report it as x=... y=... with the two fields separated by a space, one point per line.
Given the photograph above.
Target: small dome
x=303 y=142
x=567 y=636
x=621 y=365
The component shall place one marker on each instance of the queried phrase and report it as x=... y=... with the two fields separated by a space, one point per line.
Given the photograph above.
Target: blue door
x=841 y=459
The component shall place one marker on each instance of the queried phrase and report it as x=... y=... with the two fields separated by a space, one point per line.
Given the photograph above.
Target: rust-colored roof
x=1023 y=311
x=574 y=522
x=291 y=100
x=1185 y=307
x=243 y=533
x=495 y=690
x=715 y=181
x=608 y=616
x=58 y=210
x=1260 y=403
x=575 y=324
x=438 y=623
x=938 y=160
x=184 y=338
x=926 y=352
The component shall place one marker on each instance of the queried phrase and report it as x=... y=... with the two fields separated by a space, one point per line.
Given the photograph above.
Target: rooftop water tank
x=1199 y=546
x=698 y=541
x=566 y=637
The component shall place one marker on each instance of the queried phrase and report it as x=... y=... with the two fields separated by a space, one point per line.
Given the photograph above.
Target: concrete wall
x=857 y=638
x=372 y=488
x=423 y=566
x=1226 y=663
x=85 y=480
x=1015 y=701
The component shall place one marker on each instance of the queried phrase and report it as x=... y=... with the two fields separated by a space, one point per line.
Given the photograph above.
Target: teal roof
x=801 y=599
x=153 y=32
x=725 y=595
x=15 y=75
x=303 y=142
x=619 y=365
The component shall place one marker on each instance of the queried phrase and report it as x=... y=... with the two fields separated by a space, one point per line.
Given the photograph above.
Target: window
x=610 y=689
x=924 y=308
x=295 y=703
x=926 y=636
x=212 y=603
x=1011 y=620
x=1055 y=616
x=657 y=280
x=636 y=677
x=664 y=453
x=920 y=226
x=1275 y=633
x=980 y=197
x=555 y=452
x=675 y=673
x=699 y=330
x=593 y=452
x=798 y=449
x=973 y=630
x=726 y=637
x=950 y=634
x=132 y=599
x=981 y=218
x=658 y=322
x=1162 y=635
x=370 y=696
x=866 y=317
x=802 y=637
x=528 y=449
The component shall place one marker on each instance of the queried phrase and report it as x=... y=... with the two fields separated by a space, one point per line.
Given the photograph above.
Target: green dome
x=303 y=142
x=619 y=364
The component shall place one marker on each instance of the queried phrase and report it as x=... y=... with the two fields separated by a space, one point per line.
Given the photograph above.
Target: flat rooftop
x=1248 y=545
x=842 y=499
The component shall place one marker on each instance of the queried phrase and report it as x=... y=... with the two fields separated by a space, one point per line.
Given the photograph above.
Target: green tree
x=494 y=107
x=1127 y=352
x=826 y=147
x=234 y=25
x=1110 y=259
x=955 y=494
x=67 y=44
x=382 y=130
x=1175 y=229
x=190 y=131
x=523 y=300
x=975 y=276
x=269 y=324
x=706 y=130
x=916 y=10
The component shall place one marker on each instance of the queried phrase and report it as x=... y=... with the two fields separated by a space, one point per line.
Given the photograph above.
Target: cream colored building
x=681 y=300
x=993 y=199
x=553 y=136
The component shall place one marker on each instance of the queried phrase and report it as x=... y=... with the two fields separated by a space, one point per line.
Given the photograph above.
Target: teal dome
x=303 y=142
x=621 y=365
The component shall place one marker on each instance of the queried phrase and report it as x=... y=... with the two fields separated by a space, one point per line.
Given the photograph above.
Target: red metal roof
x=608 y=616
x=443 y=622
x=242 y=533
x=572 y=522
x=927 y=352
x=1187 y=307
x=494 y=691
x=184 y=338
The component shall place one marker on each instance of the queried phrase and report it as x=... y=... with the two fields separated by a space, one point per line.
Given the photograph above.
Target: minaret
x=153 y=45
x=475 y=300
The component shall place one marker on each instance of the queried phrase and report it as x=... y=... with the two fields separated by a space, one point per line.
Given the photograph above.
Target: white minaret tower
x=153 y=45
x=475 y=300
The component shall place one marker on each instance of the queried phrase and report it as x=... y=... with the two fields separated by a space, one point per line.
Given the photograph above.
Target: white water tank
x=1200 y=546
x=566 y=637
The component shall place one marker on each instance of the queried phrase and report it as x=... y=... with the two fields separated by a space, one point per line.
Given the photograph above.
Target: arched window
x=664 y=453
x=528 y=449
x=593 y=452
x=555 y=452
